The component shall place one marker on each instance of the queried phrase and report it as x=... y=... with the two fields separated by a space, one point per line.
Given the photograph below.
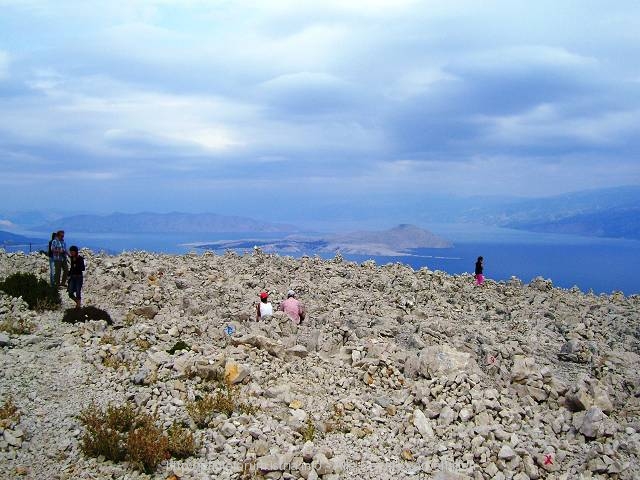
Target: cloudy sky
x=267 y=108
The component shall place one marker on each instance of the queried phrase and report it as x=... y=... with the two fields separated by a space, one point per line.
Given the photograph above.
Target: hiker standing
x=59 y=251
x=52 y=265
x=75 y=277
x=478 y=272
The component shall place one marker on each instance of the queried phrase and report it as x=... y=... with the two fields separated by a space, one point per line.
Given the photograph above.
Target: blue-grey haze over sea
x=599 y=264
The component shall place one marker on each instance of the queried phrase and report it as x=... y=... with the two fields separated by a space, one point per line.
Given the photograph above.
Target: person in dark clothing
x=52 y=265
x=478 y=272
x=75 y=275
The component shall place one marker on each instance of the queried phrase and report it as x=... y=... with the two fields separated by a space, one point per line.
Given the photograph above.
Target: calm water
x=602 y=268
x=603 y=265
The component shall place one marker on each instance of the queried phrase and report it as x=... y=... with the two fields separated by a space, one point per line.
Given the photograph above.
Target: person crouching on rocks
x=479 y=268
x=264 y=308
x=75 y=275
x=293 y=308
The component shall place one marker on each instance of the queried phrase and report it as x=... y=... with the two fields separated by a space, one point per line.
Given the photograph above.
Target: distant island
x=397 y=241
x=609 y=212
x=173 y=222
x=8 y=239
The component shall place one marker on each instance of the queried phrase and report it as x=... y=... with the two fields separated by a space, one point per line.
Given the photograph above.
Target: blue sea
x=600 y=265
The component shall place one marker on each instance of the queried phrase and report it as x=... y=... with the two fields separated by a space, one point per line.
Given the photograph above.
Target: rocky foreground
x=395 y=374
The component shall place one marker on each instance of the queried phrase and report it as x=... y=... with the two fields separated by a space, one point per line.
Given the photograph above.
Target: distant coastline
x=599 y=264
x=397 y=241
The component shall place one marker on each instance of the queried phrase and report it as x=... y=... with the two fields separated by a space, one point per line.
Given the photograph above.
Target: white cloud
x=336 y=89
x=420 y=81
x=7 y=224
x=303 y=78
x=89 y=113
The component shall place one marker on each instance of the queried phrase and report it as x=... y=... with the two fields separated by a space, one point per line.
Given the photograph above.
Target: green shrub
x=84 y=314
x=309 y=431
x=37 y=292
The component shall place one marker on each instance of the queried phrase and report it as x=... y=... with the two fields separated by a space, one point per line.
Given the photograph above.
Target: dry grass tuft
x=9 y=413
x=226 y=399
x=147 y=447
x=20 y=326
x=122 y=433
x=181 y=441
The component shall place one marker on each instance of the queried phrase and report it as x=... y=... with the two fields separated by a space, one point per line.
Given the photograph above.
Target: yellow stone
x=295 y=404
x=231 y=372
x=407 y=455
x=368 y=379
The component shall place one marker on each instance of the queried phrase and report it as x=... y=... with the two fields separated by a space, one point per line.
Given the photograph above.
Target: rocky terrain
x=394 y=374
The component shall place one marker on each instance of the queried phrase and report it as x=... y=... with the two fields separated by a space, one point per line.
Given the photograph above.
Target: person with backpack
x=75 y=275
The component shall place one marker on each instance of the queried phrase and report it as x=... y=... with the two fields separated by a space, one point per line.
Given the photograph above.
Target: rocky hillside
x=395 y=374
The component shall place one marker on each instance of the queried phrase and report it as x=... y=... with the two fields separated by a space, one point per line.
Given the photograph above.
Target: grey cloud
x=318 y=95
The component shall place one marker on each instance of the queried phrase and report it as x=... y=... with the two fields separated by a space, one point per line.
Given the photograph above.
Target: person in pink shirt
x=293 y=308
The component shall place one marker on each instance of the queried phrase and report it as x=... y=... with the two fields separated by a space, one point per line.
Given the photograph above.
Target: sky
x=284 y=109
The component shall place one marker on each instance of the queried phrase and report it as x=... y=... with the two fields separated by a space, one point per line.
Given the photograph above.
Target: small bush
x=9 y=413
x=226 y=400
x=108 y=339
x=201 y=410
x=124 y=417
x=21 y=326
x=180 y=345
x=147 y=447
x=37 y=292
x=100 y=437
x=181 y=442
x=115 y=361
x=84 y=314
x=309 y=432
x=122 y=433
x=143 y=344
